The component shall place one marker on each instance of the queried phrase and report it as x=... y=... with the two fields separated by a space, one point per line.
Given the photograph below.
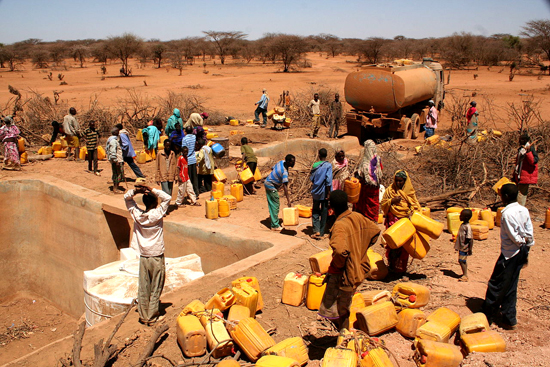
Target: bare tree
x=538 y=32
x=100 y=52
x=371 y=49
x=123 y=48
x=223 y=41
x=331 y=44
x=58 y=51
x=11 y=56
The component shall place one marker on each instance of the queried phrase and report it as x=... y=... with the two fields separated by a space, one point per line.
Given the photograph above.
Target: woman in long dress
x=370 y=174
x=9 y=134
x=399 y=201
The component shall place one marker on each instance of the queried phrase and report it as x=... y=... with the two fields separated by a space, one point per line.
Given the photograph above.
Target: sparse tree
x=79 y=53
x=100 y=52
x=11 y=56
x=158 y=50
x=458 y=49
x=123 y=48
x=538 y=32
x=223 y=41
x=371 y=49
x=58 y=51
x=289 y=48
x=40 y=58
x=331 y=44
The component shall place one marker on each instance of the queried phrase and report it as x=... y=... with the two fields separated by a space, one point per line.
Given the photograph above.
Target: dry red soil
x=233 y=89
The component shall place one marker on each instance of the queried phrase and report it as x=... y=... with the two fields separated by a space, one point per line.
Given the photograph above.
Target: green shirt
x=249 y=155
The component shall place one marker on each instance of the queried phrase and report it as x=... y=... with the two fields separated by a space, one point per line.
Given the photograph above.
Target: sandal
x=316 y=236
x=196 y=204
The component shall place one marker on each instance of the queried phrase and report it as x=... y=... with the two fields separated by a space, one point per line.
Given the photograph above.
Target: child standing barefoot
x=464 y=243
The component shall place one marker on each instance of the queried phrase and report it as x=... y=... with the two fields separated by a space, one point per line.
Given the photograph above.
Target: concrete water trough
x=52 y=231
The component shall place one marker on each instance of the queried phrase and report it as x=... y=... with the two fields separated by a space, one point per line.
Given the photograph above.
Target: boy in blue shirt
x=321 y=178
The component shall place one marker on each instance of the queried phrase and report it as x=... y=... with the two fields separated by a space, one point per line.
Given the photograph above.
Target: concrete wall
x=52 y=231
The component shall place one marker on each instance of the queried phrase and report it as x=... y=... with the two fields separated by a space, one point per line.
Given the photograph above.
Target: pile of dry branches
x=300 y=113
x=16 y=332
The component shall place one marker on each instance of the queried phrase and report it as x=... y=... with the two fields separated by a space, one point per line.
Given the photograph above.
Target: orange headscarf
x=408 y=203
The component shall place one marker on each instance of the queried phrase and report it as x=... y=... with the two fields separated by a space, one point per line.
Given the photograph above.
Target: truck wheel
x=407 y=132
x=415 y=120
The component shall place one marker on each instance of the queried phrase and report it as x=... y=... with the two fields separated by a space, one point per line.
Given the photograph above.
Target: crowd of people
x=186 y=159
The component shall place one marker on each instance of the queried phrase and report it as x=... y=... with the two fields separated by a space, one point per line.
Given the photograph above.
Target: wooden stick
x=161 y=329
x=77 y=346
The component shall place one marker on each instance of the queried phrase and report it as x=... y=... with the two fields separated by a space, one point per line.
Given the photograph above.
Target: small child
x=464 y=242
x=251 y=161
x=185 y=187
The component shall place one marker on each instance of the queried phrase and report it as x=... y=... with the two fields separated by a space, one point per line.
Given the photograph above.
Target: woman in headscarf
x=399 y=201
x=340 y=170
x=9 y=134
x=370 y=174
x=206 y=164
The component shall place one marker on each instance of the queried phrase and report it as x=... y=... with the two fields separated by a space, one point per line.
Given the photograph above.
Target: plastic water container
x=352 y=187
x=304 y=211
x=101 y=154
x=253 y=282
x=315 y=291
x=480 y=222
x=499 y=215
x=21 y=145
x=380 y=218
x=191 y=336
x=357 y=304
x=218 y=186
x=246 y=296
x=454 y=209
x=294 y=348
x=193 y=308
x=56 y=146
x=218 y=339
x=376 y=319
x=399 y=233
x=231 y=200
x=223 y=209
x=211 y=209
x=433 y=354
x=294 y=289
x=141 y=157
x=425 y=211
x=483 y=342
x=210 y=136
x=434 y=331
x=487 y=216
x=427 y=225
x=320 y=262
x=234 y=122
x=453 y=223
x=418 y=246
x=410 y=295
x=432 y=140
x=216 y=194
x=445 y=316
x=276 y=361
x=63 y=142
x=24 y=158
x=480 y=233
x=474 y=323
x=378 y=269
x=290 y=217
x=237 y=191
x=409 y=320
x=376 y=358
x=218 y=150
x=346 y=339
x=499 y=184
x=60 y=154
x=222 y=300
x=139 y=135
x=257 y=175
x=219 y=175
x=251 y=337
x=547 y=220
x=236 y=314
x=228 y=363
x=246 y=176
x=335 y=357
x=375 y=296
x=83 y=153
x=475 y=214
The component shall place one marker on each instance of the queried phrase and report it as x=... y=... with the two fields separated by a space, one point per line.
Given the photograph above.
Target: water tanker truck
x=392 y=101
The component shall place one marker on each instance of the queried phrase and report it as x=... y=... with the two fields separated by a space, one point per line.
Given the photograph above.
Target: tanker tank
x=386 y=90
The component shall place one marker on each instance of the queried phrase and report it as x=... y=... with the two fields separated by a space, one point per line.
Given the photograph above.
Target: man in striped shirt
x=92 y=141
x=277 y=178
x=190 y=141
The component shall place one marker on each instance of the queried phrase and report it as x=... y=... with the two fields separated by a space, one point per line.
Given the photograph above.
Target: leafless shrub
x=299 y=111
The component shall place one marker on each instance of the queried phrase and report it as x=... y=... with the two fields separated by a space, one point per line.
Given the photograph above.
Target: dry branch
x=161 y=329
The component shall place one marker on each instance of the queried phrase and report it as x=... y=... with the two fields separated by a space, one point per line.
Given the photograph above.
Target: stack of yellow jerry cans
x=228 y=318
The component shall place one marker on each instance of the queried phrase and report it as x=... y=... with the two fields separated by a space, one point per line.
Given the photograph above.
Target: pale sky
x=52 y=20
